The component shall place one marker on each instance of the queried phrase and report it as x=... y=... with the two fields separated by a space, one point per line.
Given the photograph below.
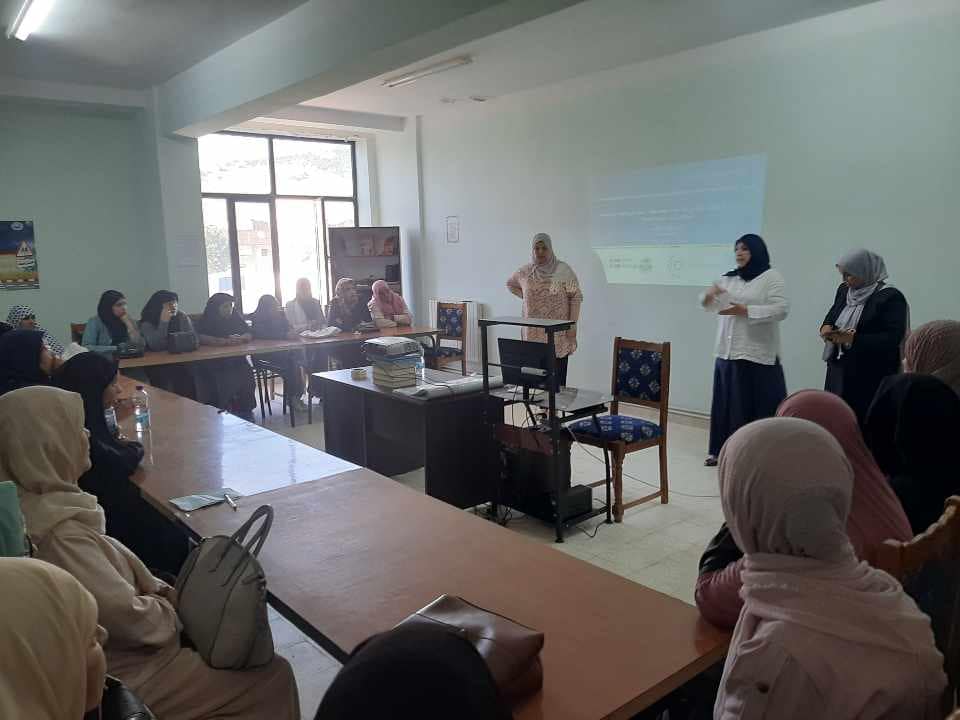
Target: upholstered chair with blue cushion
x=641 y=376
x=452 y=324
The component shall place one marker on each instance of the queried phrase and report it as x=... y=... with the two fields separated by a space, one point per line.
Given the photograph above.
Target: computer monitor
x=525 y=363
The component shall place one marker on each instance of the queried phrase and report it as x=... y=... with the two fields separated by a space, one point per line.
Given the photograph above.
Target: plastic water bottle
x=141 y=409
x=419 y=365
x=110 y=415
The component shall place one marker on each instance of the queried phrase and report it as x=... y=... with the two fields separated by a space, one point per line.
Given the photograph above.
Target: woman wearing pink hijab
x=821 y=634
x=387 y=308
x=875 y=513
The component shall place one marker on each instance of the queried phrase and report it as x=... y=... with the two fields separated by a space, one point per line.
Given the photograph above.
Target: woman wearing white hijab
x=864 y=330
x=821 y=635
x=44 y=450
x=550 y=290
x=51 y=661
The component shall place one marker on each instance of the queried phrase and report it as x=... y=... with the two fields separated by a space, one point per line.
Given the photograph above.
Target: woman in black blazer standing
x=864 y=331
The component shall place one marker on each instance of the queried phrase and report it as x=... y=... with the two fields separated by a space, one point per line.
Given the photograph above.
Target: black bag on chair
x=120 y=703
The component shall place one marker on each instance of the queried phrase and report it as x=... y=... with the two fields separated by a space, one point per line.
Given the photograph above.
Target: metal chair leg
x=259 y=377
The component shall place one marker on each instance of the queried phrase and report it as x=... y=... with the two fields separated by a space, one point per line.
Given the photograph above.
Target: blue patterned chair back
x=450 y=321
x=639 y=375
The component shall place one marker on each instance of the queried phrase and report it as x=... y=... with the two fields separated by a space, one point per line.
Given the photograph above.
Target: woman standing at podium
x=748 y=382
x=550 y=290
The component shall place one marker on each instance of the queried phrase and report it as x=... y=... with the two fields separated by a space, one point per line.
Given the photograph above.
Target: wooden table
x=393 y=433
x=195 y=448
x=259 y=347
x=354 y=554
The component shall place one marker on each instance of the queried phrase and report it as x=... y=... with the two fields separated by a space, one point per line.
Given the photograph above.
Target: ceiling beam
x=346 y=119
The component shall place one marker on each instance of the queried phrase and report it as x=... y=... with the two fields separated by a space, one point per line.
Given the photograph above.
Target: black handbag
x=119 y=703
x=181 y=342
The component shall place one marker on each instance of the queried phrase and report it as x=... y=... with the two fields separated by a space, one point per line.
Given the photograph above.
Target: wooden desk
x=259 y=347
x=354 y=554
x=194 y=448
x=393 y=433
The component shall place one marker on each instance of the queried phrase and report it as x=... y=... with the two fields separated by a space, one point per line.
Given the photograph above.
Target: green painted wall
x=86 y=180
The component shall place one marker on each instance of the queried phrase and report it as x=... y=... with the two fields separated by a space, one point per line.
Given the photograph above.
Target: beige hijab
x=934 y=349
x=47 y=625
x=44 y=450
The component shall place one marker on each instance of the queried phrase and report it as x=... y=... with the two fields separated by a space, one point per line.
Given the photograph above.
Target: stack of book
x=395 y=371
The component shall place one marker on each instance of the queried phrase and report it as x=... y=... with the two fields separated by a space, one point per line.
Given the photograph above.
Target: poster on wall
x=18 y=255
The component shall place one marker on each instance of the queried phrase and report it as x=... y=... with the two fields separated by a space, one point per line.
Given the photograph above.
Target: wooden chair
x=641 y=376
x=76 y=331
x=929 y=569
x=452 y=323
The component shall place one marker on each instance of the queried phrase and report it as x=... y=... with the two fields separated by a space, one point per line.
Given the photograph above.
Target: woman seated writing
x=387 y=308
x=821 y=634
x=160 y=318
x=112 y=327
x=346 y=311
x=25 y=360
x=130 y=519
x=44 y=443
x=304 y=312
x=229 y=380
x=270 y=323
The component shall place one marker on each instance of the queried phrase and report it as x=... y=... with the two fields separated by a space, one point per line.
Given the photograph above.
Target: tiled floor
x=656 y=545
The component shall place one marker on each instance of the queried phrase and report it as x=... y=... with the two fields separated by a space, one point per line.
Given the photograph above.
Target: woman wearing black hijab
x=229 y=379
x=911 y=429
x=748 y=380
x=270 y=323
x=112 y=461
x=112 y=326
x=160 y=317
x=423 y=672
x=24 y=360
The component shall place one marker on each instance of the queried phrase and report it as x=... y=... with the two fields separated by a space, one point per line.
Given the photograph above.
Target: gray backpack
x=222 y=598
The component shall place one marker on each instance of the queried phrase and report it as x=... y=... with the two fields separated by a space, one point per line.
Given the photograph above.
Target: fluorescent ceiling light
x=31 y=16
x=415 y=75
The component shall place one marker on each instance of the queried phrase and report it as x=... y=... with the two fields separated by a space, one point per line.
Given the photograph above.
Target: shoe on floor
x=711 y=461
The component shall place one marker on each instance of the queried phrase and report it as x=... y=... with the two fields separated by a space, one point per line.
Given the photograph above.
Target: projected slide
x=676 y=224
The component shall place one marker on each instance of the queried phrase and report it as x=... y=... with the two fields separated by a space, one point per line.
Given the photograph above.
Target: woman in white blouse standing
x=748 y=381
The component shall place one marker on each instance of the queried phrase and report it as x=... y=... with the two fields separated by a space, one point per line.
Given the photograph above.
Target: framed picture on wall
x=18 y=255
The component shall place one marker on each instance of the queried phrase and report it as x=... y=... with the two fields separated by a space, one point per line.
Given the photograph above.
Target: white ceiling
x=588 y=37
x=130 y=43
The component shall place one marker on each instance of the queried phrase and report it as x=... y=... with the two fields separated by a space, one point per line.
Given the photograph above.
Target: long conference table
x=259 y=347
x=352 y=553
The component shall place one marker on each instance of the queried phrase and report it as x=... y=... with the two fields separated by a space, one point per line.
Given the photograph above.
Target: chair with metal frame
x=928 y=567
x=641 y=376
x=266 y=372
x=452 y=323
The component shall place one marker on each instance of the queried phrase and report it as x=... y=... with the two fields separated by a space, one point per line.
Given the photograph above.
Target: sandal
x=711 y=461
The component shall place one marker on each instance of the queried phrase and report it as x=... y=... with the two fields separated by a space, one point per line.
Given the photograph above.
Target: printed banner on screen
x=18 y=255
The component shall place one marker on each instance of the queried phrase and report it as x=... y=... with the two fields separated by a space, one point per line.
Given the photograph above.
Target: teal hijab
x=13 y=534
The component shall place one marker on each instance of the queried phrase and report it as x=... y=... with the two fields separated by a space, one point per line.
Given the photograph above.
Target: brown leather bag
x=511 y=650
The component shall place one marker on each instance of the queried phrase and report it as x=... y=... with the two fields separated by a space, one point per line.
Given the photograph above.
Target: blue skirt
x=743 y=391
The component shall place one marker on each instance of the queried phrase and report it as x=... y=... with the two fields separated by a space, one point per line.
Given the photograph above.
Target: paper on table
x=325 y=332
x=189 y=503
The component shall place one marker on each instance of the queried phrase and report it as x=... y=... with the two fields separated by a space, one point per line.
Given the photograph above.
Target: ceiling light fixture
x=414 y=75
x=31 y=16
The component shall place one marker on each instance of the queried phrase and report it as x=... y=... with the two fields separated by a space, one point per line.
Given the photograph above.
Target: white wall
x=858 y=120
x=83 y=176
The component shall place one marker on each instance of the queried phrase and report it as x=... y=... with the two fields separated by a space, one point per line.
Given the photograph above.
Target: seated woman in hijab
x=130 y=519
x=52 y=666
x=875 y=514
x=934 y=349
x=346 y=311
x=25 y=360
x=45 y=446
x=423 y=672
x=387 y=308
x=112 y=326
x=270 y=323
x=22 y=317
x=821 y=635
x=160 y=317
x=912 y=430
x=304 y=312
x=229 y=379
